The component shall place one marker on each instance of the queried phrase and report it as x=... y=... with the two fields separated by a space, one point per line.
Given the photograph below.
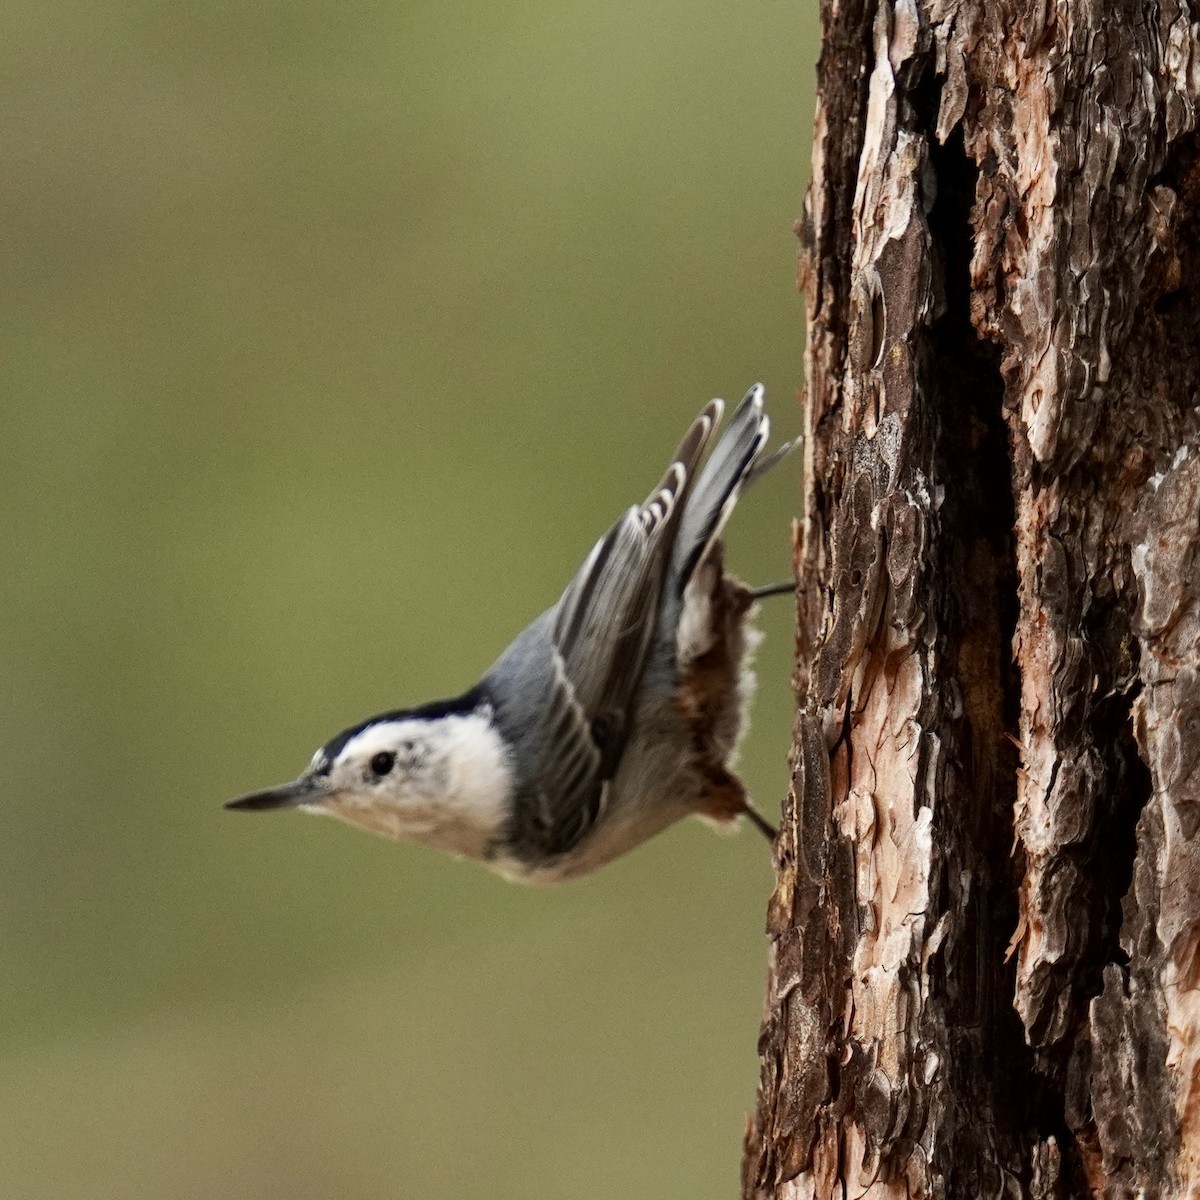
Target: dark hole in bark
x=1114 y=841
x=994 y=1070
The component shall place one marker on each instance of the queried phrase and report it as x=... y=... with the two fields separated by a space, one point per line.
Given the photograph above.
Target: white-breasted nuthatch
x=616 y=713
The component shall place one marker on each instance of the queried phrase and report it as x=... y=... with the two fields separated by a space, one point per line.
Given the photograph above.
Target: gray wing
x=585 y=658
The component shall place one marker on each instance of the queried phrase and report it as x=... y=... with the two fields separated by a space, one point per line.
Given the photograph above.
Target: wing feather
x=600 y=632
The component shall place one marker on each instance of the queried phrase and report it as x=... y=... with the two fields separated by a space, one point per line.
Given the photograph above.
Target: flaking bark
x=985 y=944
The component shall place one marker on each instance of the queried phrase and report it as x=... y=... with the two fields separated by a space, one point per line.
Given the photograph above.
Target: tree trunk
x=984 y=939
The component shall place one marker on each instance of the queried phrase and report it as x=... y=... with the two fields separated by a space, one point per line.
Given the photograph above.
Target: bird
x=615 y=713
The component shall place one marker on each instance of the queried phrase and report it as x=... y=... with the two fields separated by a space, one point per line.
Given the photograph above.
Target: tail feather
x=712 y=497
x=694 y=443
x=763 y=465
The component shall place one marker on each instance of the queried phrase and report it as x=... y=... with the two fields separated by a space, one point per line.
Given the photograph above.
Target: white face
x=444 y=782
x=381 y=757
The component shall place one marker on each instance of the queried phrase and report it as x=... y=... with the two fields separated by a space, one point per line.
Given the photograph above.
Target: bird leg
x=786 y=587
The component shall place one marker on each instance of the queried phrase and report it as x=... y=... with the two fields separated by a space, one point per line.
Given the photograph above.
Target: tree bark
x=985 y=946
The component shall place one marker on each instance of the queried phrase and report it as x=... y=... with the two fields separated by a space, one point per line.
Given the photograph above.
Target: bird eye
x=383 y=762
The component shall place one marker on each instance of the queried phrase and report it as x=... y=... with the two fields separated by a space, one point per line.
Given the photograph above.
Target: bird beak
x=305 y=790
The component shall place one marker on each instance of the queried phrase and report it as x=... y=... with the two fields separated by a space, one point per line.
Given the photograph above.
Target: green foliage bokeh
x=333 y=336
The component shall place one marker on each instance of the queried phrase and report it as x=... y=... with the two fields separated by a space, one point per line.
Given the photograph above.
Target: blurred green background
x=333 y=336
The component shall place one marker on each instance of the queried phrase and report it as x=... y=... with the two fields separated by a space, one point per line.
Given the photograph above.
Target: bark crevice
x=992 y=1070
